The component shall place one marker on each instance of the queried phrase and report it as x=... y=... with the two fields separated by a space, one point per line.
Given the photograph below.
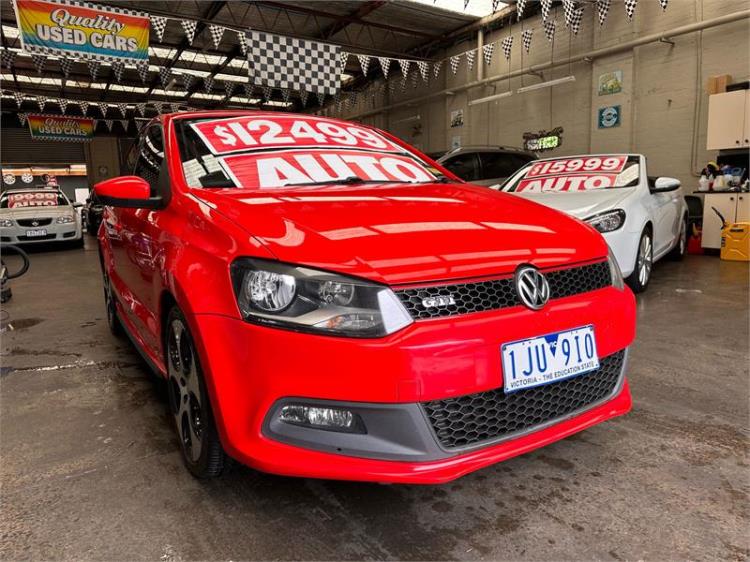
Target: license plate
x=550 y=358
x=38 y=232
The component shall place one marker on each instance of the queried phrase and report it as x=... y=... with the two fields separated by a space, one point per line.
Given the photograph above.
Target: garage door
x=19 y=148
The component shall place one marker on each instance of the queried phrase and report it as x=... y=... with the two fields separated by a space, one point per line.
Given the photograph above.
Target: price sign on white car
x=549 y=358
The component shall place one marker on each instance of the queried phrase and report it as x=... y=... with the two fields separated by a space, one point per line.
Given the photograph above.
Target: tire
x=109 y=302
x=678 y=252
x=644 y=261
x=189 y=404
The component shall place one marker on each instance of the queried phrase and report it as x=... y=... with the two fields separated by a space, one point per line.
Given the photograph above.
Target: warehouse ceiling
x=413 y=29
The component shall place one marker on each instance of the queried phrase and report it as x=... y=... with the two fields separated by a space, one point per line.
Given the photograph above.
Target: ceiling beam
x=356 y=16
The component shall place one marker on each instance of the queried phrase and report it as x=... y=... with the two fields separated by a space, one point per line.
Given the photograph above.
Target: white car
x=642 y=218
x=29 y=216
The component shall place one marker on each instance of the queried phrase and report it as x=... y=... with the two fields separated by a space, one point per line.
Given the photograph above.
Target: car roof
x=488 y=148
x=30 y=189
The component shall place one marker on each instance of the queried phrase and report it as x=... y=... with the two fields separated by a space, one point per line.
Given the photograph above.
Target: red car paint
x=399 y=235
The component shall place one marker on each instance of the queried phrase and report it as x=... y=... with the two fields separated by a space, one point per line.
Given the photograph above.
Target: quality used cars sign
x=56 y=27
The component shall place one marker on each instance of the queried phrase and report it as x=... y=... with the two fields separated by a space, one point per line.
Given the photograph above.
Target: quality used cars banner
x=61 y=128
x=87 y=31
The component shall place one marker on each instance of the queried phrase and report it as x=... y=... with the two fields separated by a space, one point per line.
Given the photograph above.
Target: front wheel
x=189 y=404
x=638 y=280
x=109 y=302
x=680 y=249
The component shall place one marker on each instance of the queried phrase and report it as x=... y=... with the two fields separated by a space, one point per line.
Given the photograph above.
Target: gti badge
x=532 y=287
x=438 y=301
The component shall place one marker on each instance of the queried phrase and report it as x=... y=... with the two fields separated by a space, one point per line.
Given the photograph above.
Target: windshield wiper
x=350 y=180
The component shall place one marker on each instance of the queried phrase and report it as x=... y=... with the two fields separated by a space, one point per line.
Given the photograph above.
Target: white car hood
x=581 y=204
x=36 y=212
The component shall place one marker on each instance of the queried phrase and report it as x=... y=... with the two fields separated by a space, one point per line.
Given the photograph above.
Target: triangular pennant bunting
x=663 y=4
x=286 y=93
x=321 y=98
x=520 y=5
x=630 y=8
x=164 y=76
x=174 y=107
x=436 y=68
x=576 y=19
x=424 y=70
x=66 y=65
x=39 y=62
x=415 y=79
x=487 y=51
x=303 y=97
x=602 y=9
x=549 y=29
x=495 y=5
x=158 y=106
x=267 y=92
x=124 y=123
x=123 y=108
x=470 y=56
x=364 y=62
x=142 y=68
x=229 y=88
x=8 y=58
x=41 y=102
x=117 y=69
x=93 y=69
x=189 y=26
x=84 y=105
x=526 y=36
x=141 y=107
x=455 y=60
x=217 y=32
x=104 y=108
x=158 y=24
x=242 y=40
x=546 y=5
x=385 y=65
x=63 y=105
x=208 y=84
x=187 y=81
x=343 y=59
x=405 y=65
x=249 y=88
x=22 y=117
x=18 y=96
x=404 y=80
x=507 y=46
x=109 y=123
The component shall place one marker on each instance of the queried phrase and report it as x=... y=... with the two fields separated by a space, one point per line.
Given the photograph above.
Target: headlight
x=6 y=223
x=608 y=221
x=614 y=272
x=301 y=298
x=65 y=219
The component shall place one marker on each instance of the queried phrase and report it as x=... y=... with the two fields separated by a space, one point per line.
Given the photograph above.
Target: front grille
x=30 y=222
x=492 y=415
x=501 y=293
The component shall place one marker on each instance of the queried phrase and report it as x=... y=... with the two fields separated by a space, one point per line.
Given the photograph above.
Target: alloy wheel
x=184 y=390
x=683 y=237
x=645 y=259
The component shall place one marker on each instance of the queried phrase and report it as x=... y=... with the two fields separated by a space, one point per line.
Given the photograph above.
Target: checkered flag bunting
x=189 y=26
x=364 y=62
x=546 y=6
x=487 y=51
x=424 y=70
x=415 y=79
x=436 y=68
x=249 y=89
x=93 y=69
x=321 y=98
x=242 y=40
x=63 y=105
x=124 y=124
x=405 y=64
x=630 y=8
x=8 y=58
x=39 y=62
x=602 y=10
x=187 y=81
x=455 y=60
x=164 y=76
x=495 y=5
x=288 y=62
x=286 y=94
x=576 y=19
x=217 y=32
x=123 y=109
x=158 y=24
x=266 y=93
x=343 y=60
x=142 y=68
x=22 y=117
x=526 y=36
x=549 y=29
x=208 y=84
x=18 y=96
x=141 y=107
x=66 y=65
x=303 y=95
x=109 y=123
x=84 y=105
x=174 y=107
x=404 y=79
x=117 y=69
x=159 y=106
x=568 y=7
x=41 y=102
x=507 y=46
x=104 y=108
x=385 y=65
x=470 y=56
x=663 y=4
x=229 y=88
x=520 y=5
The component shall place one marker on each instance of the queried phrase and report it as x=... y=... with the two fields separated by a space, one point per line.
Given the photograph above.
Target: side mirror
x=77 y=204
x=664 y=184
x=127 y=191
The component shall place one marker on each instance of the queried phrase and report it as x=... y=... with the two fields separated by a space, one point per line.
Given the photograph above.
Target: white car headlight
x=305 y=299
x=614 y=272
x=608 y=221
x=6 y=223
x=65 y=219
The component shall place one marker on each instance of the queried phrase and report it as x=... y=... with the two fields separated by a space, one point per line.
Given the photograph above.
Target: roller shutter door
x=19 y=148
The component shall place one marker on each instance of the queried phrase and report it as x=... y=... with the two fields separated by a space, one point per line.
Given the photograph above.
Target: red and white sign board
x=247 y=133
x=574 y=174
x=267 y=170
x=32 y=199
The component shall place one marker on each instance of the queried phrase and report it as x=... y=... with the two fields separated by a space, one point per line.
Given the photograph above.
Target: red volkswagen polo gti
x=325 y=301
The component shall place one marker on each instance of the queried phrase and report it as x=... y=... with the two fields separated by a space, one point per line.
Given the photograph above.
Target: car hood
x=581 y=204
x=37 y=212
x=397 y=234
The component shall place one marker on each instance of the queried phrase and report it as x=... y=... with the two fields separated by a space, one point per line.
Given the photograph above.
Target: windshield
x=272 y=152
x=584 y=173
x=40 y=198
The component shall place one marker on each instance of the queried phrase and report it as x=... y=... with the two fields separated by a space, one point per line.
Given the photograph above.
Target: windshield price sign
x=294 y=167
x=246 y=133
x=32 y=199
x=608 y=164
x=567 y=183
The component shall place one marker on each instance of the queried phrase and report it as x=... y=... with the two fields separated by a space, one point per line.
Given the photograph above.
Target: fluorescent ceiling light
x=412 y=118
x=477 y=8
x=546 y=84
x=490 y=98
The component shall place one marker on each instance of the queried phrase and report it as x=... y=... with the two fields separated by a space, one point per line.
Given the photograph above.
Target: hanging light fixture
x=547 y=84
x=490 y=98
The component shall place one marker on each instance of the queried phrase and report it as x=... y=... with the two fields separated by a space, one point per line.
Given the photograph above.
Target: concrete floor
x=91 y=469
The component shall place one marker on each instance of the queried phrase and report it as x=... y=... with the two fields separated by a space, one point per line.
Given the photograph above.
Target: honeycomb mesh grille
x=469 y=420
x=501 y=293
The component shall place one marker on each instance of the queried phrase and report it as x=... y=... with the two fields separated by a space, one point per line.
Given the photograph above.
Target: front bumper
x=252 y=369
x=54 y=233
x=624 y=245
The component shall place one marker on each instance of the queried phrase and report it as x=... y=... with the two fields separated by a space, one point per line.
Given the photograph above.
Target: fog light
x=332 y=419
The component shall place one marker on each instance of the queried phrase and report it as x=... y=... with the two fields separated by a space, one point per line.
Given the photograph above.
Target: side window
x=465 y=166
x=150 y=157
x=500 y=164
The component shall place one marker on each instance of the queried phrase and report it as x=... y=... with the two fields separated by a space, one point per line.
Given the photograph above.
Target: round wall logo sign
x=609 y=117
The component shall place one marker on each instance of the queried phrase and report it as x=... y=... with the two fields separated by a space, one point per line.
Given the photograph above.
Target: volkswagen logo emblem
x=532 y=287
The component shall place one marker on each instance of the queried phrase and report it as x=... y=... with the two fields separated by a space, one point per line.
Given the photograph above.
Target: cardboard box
x=718 y=84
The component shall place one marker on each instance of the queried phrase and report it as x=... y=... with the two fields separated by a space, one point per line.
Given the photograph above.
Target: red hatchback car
x=325 y=301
